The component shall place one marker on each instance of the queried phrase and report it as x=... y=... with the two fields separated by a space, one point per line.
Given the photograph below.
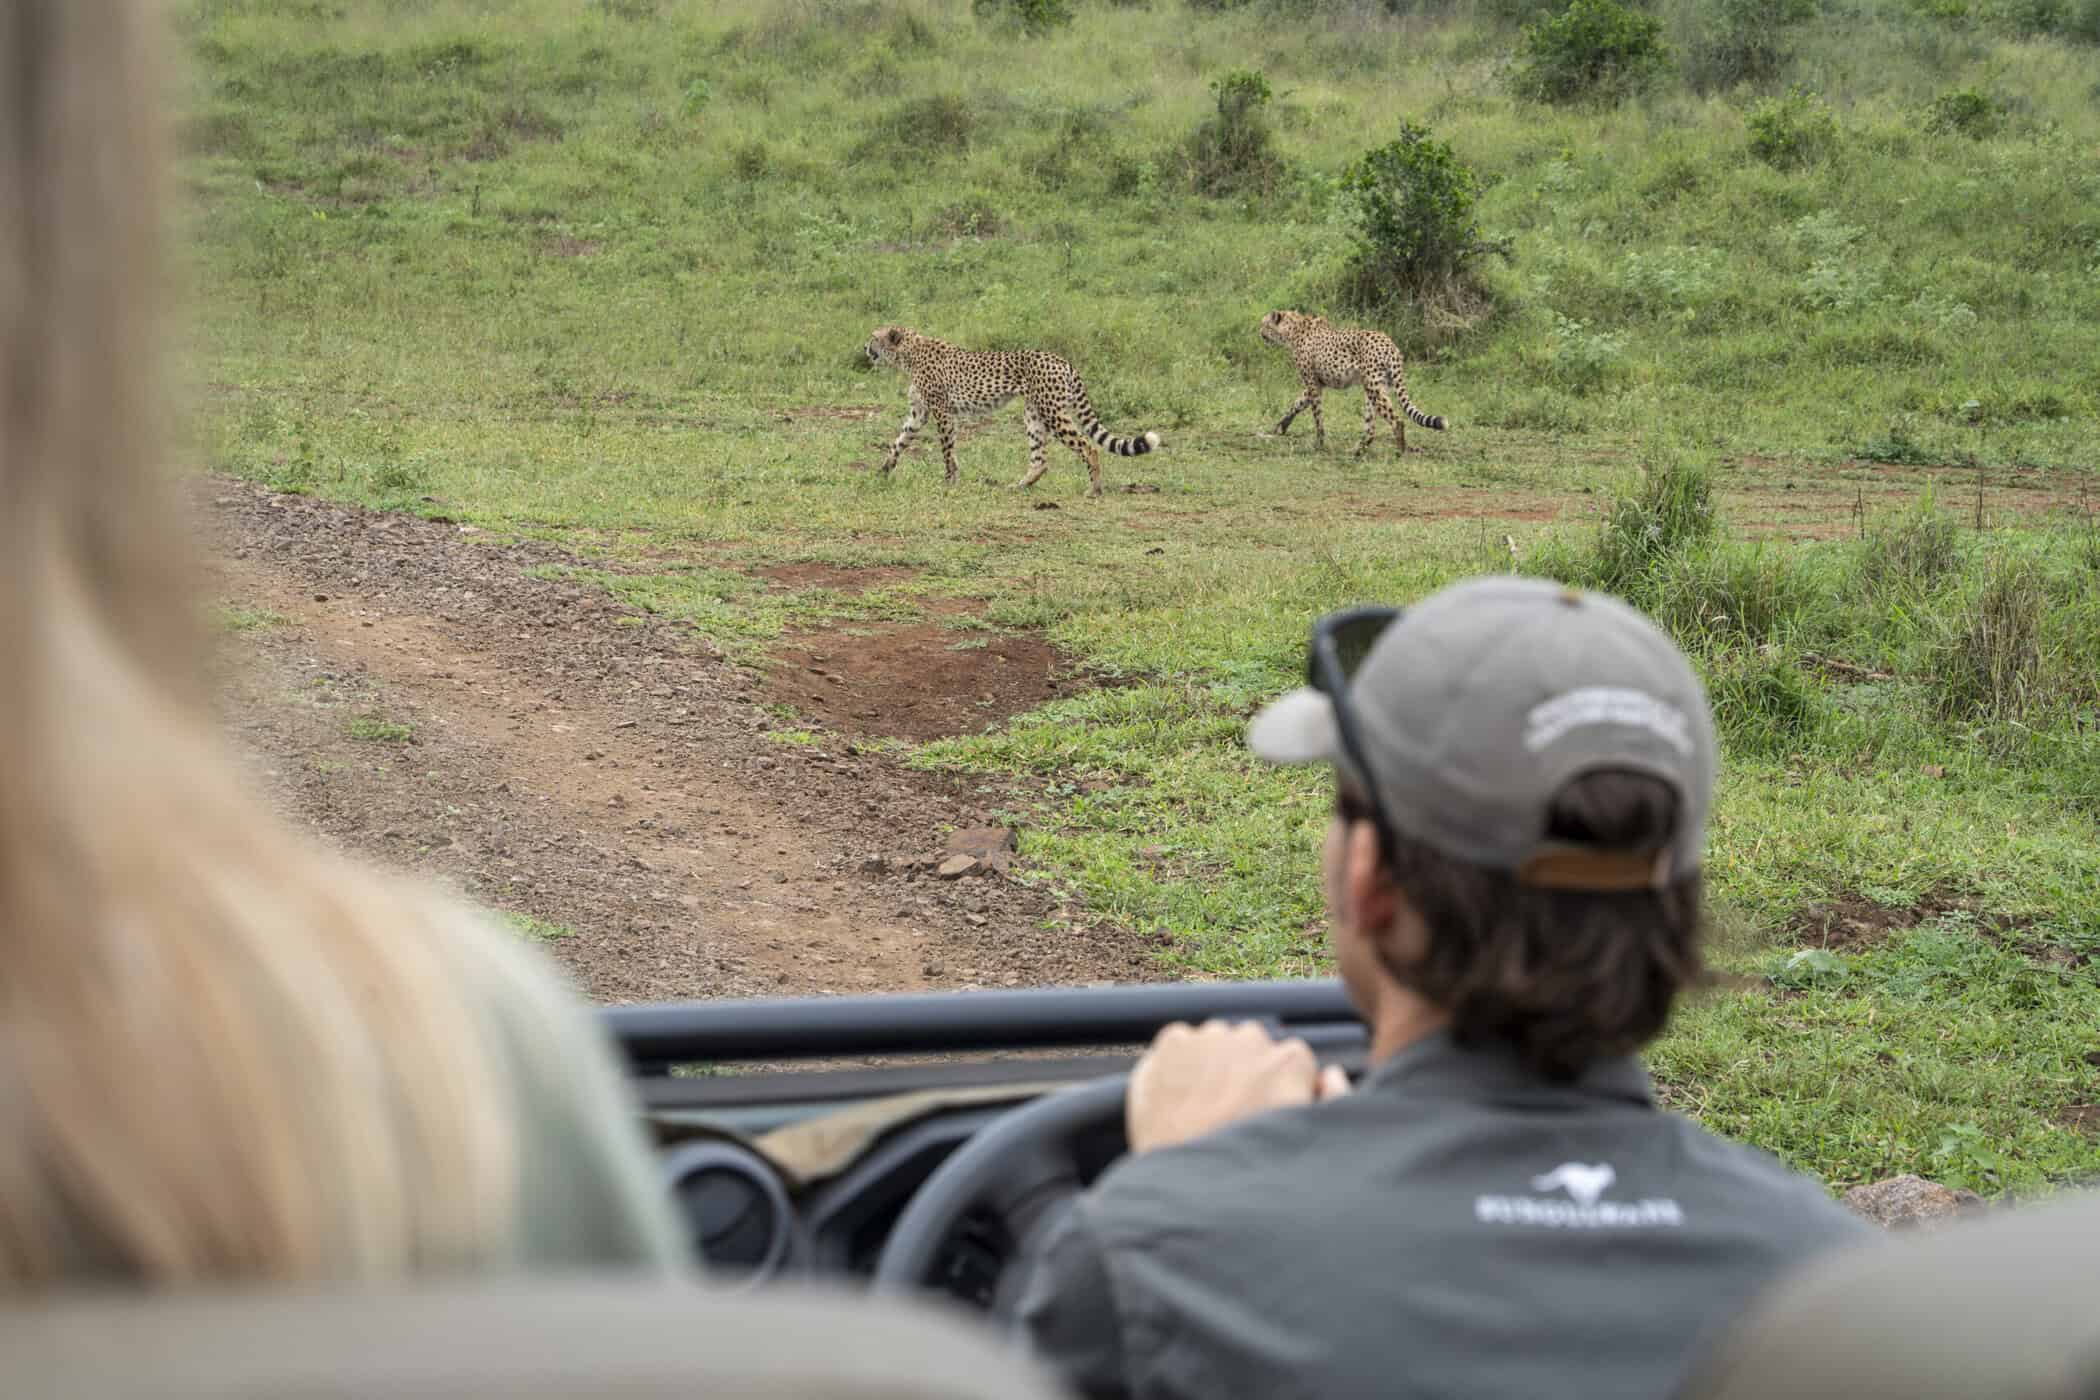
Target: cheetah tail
x=1416 y=415
x=1121 y=446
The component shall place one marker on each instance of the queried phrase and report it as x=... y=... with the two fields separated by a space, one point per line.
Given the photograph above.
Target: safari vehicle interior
x=925 y=1174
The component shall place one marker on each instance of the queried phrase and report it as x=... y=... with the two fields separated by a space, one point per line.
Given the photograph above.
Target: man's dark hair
x=1565 y=978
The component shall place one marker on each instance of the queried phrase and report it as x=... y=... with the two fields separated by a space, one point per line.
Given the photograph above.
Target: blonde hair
x=224 y=1054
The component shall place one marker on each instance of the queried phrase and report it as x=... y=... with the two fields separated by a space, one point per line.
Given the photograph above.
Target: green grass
x=237 y=617
x=601 y=277
x=372 y=729
x=534 y=928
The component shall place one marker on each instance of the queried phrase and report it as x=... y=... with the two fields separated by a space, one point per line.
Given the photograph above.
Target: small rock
x=975 y=920
x=1910 y=1202
x=934 y=969
x=320 y=597
x=764 y=763
x=874 y=865
x=955 y=867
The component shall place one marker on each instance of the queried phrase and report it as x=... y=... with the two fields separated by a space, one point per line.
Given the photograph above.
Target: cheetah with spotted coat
x=947 y=382
x=1336 y=357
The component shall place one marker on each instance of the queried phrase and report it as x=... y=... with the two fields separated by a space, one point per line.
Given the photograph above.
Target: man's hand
x=1195 y=1080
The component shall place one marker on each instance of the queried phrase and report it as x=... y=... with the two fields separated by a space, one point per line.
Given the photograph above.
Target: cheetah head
x=885 y=343
x=1284 y=327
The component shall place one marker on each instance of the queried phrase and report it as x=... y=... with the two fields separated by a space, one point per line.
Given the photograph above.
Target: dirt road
x=406 y=688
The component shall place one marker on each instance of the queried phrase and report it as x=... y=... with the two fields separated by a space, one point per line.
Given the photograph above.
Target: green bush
x=1415 y=227
x=1793 y=131
x=1232 y=152
x=1742 y=41
x=1969 y=112
x=1034 y=16
x=1593 y=51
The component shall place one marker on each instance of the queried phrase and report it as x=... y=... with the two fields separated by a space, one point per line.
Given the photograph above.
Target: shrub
x=1595 y=50
x=1743 y=41
x=1034 y=16
x=1585 y=360
x=936 y=120
x=1789 y=132
x=1232 y=152
x=1413 y=203
x=1969 y=112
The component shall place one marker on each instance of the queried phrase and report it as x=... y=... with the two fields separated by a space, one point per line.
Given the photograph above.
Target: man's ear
x=1373 y=899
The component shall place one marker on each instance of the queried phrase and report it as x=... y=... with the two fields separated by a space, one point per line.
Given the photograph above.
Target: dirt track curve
x=597 y=768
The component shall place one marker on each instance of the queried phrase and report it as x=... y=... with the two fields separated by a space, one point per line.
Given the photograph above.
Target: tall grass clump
x=2014 y=651
x=1595 y=51
x=1668 y=510
x=1909 y=555
x=1233 y=150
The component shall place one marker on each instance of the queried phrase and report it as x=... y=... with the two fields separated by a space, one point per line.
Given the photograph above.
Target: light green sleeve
x=589 y=1192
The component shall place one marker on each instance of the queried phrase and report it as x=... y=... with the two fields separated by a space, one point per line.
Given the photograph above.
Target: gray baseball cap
x=1480 y=703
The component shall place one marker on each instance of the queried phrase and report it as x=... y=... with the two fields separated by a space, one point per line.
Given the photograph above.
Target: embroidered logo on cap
x=1604 y=704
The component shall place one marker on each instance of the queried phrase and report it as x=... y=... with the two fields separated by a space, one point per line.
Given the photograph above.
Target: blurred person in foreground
x=1500 y=1209
x=225 y=1055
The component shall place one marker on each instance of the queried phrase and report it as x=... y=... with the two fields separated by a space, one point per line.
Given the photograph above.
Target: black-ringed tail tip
x=1121 y=446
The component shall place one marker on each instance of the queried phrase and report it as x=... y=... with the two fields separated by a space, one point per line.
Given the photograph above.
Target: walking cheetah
x=1335 y=357
x=947 y=381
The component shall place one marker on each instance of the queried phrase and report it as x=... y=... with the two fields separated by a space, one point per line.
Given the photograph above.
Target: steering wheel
x=1024 y=1167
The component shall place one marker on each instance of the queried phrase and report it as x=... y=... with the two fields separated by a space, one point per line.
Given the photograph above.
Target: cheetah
x=1335 y=357
x=947 y=382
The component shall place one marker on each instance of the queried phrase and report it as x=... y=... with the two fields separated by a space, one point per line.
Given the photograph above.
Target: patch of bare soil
x=2082 y=1118
x=1800 y=500
x=1852 y=921
x=546 y=750
x=918 y=680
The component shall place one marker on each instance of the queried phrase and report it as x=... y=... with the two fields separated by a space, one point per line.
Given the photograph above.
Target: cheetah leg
x=1038 y=434
x=1309 y=399
x=1070 y=437
x=1399 y=419
x=1377 y=405
x=945 y=426
x=912 y=420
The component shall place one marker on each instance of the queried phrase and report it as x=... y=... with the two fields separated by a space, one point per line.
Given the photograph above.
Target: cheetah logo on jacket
x=1583 y=1183
x=1584 y=1207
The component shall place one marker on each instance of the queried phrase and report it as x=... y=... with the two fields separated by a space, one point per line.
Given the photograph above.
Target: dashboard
x=793 y=1148
x=750 y=1221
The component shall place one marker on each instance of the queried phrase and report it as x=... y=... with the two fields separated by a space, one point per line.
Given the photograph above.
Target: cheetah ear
x=894 y=335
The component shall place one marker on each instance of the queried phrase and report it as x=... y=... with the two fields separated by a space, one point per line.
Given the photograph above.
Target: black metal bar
x=1031 y=1019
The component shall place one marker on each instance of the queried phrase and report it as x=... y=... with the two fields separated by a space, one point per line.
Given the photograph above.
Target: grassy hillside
x=602 y=272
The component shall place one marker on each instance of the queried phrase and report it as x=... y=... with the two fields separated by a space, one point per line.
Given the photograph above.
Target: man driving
x=1523 y=774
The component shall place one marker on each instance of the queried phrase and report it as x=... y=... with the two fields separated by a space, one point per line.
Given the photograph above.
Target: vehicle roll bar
x=1026 y=1019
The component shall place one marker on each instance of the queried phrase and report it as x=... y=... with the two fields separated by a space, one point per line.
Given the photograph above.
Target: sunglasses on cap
x=1340 y=642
